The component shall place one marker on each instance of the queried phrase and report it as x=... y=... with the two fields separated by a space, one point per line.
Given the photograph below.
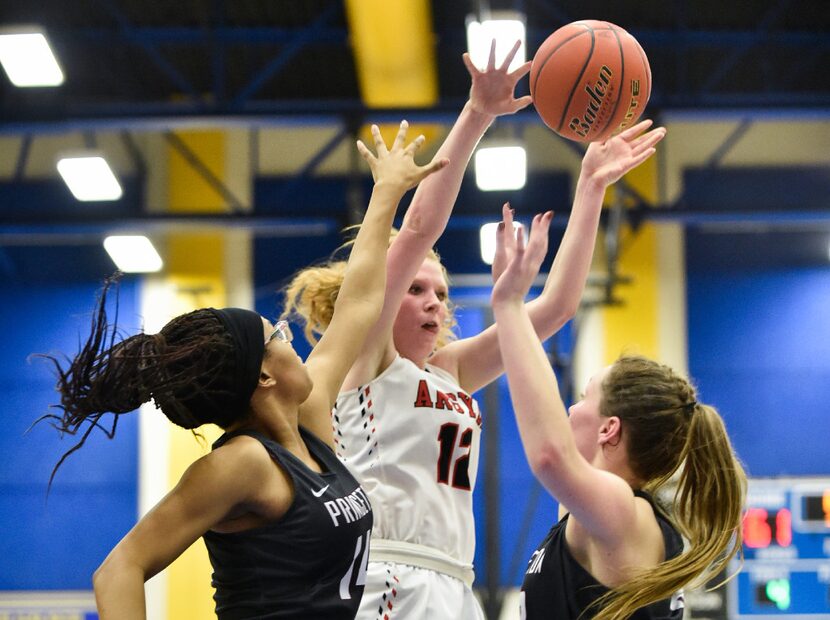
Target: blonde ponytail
x=711 y=489
x=310 y=296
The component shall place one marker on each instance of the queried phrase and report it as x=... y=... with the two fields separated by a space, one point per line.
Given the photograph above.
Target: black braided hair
x=183 y=369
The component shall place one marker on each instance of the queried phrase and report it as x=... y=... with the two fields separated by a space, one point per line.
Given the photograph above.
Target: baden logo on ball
x=590 y=80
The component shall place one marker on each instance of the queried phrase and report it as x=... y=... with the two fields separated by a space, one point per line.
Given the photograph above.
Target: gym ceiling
x=741 y=86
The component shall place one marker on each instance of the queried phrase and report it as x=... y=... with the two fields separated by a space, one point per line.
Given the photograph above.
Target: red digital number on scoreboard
x=761 y=528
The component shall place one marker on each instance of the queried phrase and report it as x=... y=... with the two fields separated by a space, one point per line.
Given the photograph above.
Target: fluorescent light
x=487 y=240
x=501 y=167
x=27 y=58
x=89 y=178
x=503 y=26
x=133 y=253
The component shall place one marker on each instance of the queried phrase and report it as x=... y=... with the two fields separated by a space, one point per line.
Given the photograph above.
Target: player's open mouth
x=432 y=327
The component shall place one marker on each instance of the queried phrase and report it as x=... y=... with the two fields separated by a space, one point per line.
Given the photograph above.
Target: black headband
x=246 y=330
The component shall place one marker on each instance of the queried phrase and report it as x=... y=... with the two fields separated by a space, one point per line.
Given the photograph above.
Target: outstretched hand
x=608 y=161
x=523 y=260
x=396 y=166
x=492 y=89
x=505 y=242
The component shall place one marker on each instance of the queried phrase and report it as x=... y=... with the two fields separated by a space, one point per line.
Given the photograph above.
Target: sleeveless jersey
x=310 y=563
x=557 y=586
x=411 y=437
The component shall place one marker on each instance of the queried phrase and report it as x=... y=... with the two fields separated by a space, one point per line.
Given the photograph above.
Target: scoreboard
x=786 y=571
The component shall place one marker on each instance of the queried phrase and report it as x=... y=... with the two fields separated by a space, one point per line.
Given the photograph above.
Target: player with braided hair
x=285 y=523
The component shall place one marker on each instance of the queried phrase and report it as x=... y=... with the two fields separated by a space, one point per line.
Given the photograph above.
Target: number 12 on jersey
x=447 y=436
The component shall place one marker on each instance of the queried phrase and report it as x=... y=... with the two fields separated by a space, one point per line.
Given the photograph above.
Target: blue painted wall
x=759 y=349
x=56 y=542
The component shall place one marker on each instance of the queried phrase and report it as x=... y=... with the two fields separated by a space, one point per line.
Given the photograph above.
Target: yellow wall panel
x=195 y=264
x=189 y=192
x=393 y=51
x=632 y=328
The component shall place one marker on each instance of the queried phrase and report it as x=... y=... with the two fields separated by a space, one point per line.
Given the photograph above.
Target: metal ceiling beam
x=305 y=113
x=84 y=231
x=184 y=36
x=761 y=36
x=128 y=32
x=302 y=176
x=22 y=157
x=729 y=142
x=294 y=46
x=204 y=171
x=15 y=232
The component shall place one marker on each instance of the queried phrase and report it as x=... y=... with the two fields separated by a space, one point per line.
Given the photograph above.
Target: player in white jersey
x=405 y=424
x=421 y=490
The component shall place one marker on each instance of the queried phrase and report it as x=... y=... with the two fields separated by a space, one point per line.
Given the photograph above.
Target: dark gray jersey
x=311 y=563
x=557 y=586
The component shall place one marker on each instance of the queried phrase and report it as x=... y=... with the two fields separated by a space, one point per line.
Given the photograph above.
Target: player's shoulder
x=241 y=454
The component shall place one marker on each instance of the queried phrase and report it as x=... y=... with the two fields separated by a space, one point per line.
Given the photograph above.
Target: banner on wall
x=51 y=605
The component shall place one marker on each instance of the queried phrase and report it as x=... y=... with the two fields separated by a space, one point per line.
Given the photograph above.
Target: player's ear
x=610 y=433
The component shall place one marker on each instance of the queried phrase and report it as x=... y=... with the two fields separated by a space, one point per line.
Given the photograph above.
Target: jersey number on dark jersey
x=361 y=559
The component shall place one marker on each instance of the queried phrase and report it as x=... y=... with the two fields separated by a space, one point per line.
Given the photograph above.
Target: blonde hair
x=311 y=293
x=665 y=428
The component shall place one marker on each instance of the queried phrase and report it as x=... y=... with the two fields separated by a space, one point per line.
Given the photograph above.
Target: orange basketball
x=589 y=80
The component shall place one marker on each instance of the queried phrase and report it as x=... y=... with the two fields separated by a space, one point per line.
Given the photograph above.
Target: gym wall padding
x=56 y=542
x=759 y=349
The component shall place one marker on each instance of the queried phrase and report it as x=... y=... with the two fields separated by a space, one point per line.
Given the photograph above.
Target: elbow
x=569 y=311
x=553 y=316
x=421 y=224
x=103 y=574
x=565 y=313
x=545 y=462
x=117 y=569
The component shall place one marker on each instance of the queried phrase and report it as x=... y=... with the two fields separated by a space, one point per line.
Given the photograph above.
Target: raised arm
x=477 y=360
x=491 y=95
x=590 y=493
x=603 y=165
x=360 y=297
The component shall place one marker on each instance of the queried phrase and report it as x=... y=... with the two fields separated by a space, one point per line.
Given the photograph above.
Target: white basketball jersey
x=411 y=437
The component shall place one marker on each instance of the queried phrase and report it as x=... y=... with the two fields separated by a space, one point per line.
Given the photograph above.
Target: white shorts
x=402 y=592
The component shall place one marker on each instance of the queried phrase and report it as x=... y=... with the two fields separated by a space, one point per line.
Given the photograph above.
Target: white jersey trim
x=445 y=374
x=420 y=556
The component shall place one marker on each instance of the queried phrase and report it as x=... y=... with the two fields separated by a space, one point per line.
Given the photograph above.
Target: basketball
x=589 y=80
